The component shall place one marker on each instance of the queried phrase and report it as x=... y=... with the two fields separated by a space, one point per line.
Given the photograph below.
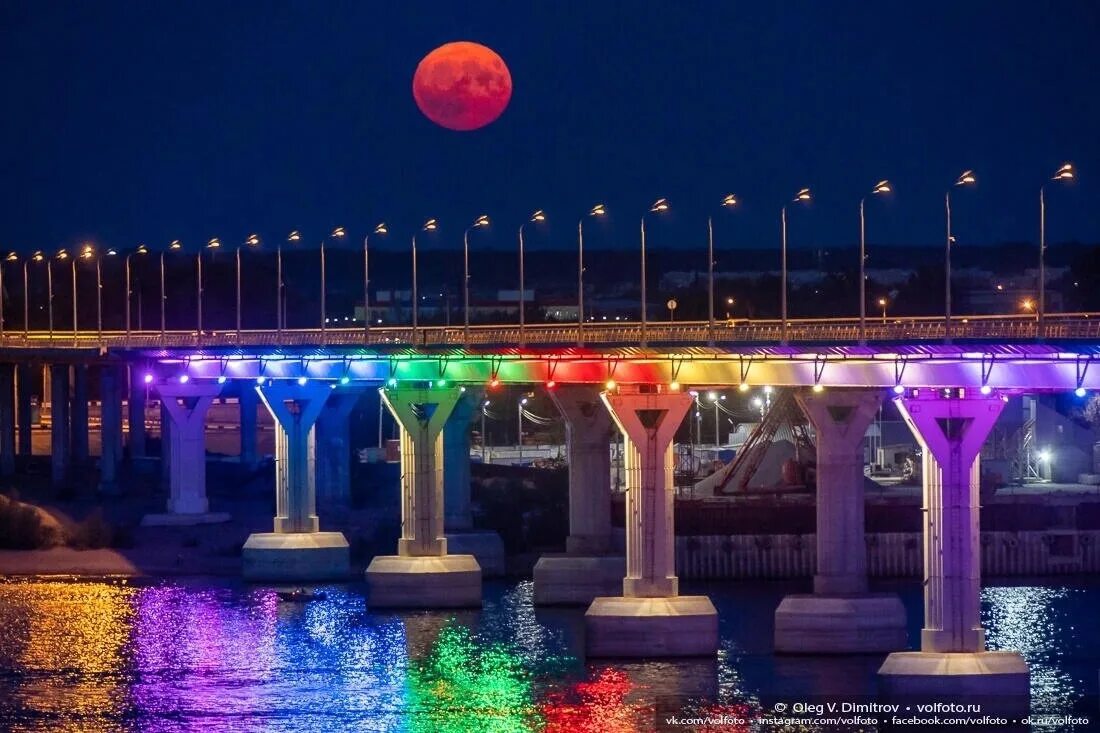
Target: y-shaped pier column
x=296 y=550
x=422 y=574
x=952 y=662
x=334 y=450
x=186 y=406
x=840 y=616
x=588 y=569
x=650 y=618
x=458 y=521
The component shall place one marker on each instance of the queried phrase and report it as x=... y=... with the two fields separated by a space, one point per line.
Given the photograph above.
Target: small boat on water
x=301 y=595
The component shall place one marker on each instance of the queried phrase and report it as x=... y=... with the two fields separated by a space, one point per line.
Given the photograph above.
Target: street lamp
x=536 y=217
x=880 y=188
x=214 y=243
x=89 y=254
x=597 y=210
x=85 y=253
x=429 y=226
x=12 y=257
x=882 y=303
x=141 y=250
x=481 y=221
x=280 y=316
x=173 y=246
x=729 y=305
x=967 y=178
x=729 y=200
x=658 y=206
x=1027 y=305
x=379 y=230
x=337 y=233
x=38 y=256
x=802 y=196
x=253 y=240
x=1065 y=173
x=519 y=415
x=715 y=398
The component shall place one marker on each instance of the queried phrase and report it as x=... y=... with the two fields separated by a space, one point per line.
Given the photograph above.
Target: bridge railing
x=734 y=331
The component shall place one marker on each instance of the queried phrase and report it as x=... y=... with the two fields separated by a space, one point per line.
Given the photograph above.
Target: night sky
x=149 y=121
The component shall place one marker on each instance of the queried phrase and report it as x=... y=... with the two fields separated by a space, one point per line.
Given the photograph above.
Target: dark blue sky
x=148 y=121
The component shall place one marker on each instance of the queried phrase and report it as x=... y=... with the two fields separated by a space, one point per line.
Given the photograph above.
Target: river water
x=218 y=655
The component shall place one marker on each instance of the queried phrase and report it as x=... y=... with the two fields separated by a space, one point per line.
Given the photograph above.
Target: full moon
x=462 y=86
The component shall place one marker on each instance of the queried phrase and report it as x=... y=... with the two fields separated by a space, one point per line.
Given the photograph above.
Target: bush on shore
x=25 y=527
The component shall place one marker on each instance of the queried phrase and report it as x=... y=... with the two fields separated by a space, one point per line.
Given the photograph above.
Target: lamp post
x=88 y=253
x=729 y=200
x=280 y=315
x=519 y=415
x=965 y=179
x=429 y=226
x=253 y=240
x=729 y=305
x=484 y=414
x=481 y=221
x=597 y=210
x=536 y=217
x=173 y=246
x=880 y=188
x=801 y=196
x=36 y=257
x=337 y=233
x=1065 y=173
x=214 y=243
x=658 y=206
x=882 y=303
x=379 y=230
x=12 y=257
x=141 y=250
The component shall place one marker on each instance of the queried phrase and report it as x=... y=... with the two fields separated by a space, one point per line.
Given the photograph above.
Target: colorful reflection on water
x=222 y=656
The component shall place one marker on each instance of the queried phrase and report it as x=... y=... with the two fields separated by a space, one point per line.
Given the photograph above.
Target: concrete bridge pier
x=650 y=618
x=841 y=616
x=953 y=661
x=23 y=407
x=135 y=407
x=110 y=395
x=184 y=408
x=58 y=387
x=7 y=419
x=422 y=574
x=334 y=449
x=458 y=520
x=78 y=414
x=588 y=568
x=248 y=403
x=296 y=550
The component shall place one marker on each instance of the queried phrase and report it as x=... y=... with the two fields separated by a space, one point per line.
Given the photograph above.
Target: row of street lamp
x=1065 y=172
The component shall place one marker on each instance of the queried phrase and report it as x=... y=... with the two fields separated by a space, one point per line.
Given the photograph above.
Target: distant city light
x=1044 y=455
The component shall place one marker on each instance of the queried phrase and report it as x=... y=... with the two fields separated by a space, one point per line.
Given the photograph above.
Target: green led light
x=442 y=382
x=392 y=381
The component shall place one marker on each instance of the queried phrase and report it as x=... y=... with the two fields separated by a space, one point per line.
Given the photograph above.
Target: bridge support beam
x=110 y=395
x=183 y=444
x=588 y=568
x=135 y=407
x=23 y=407
x=334 y=450
x=953 y=661
x=58 y=387
x=458 y=520
x=79 y=414
x=248 y=403
x=422 y=574
x=840 y=616
x=296 y=550
x=7 y=419
x=650 y=618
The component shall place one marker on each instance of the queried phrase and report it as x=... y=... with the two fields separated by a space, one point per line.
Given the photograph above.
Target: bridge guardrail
x=845 y=330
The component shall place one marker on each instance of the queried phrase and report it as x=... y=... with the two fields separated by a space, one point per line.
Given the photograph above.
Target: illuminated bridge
x=950 y=382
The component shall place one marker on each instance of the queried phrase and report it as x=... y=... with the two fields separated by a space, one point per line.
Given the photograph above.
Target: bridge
x=949 y=380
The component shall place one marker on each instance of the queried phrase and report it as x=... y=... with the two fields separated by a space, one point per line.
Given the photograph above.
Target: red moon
x=462 y=86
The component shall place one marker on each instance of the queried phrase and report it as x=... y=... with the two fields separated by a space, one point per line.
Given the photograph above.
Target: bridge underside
x=1019 y=367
